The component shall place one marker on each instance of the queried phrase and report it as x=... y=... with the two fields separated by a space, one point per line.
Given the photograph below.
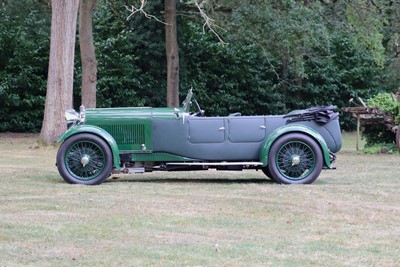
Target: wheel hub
x=85 y=160
x=295 y=160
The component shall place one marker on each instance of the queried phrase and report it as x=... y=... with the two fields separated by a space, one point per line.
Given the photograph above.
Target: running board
x=244 y=163
x=192 y=166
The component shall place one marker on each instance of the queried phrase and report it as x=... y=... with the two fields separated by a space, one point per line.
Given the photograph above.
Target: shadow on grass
x=161 y=180
x=190 y=180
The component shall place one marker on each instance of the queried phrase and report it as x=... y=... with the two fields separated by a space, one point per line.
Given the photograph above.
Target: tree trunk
x=171 y=42
x=299 y=85
x=88 y=56
x=285 y=79
x=61 y=68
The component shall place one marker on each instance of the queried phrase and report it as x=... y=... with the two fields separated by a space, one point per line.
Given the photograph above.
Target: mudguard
x=294 y=128
x=96 y=131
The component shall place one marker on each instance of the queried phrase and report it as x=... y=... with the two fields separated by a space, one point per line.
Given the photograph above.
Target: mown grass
x=348 y=217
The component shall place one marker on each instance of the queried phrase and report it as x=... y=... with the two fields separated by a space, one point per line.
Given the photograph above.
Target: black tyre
x=84 y=159
x=398 y=138
x=266 y=171
x=295 y=159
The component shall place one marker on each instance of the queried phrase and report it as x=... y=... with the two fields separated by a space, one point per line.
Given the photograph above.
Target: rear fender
x=96 y=131
x=294 y=128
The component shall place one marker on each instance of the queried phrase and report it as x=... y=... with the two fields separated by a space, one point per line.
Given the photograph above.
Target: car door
x=246 y=129
x=206 y=130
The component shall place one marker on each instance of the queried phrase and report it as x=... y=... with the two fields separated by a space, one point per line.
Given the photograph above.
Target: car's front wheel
x=84 y=159
x=295 y=159
x=266 y=171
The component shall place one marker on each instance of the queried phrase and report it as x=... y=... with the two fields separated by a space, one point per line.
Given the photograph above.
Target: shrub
x=24 y=48
x=378 y=135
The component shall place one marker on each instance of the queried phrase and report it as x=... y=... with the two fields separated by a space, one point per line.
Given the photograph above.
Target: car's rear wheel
x=398 y=138
x=84 y=159
x=295 y=159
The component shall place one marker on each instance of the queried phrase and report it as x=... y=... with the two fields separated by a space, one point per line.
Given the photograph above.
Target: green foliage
x=341 y=75
x=131 y=56
x=226 y=78
x=282 y=55
x=284 y=28
x=385 y=103
x=132 y=66
x=24 y=46
x=336 y=77
x=381 y=148
x=314 y=49
x=376 y=135
x=364 y=24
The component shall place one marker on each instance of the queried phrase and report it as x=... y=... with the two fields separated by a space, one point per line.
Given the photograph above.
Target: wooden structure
x=367 y=116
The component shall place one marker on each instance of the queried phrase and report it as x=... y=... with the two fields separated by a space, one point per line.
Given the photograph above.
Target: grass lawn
x=347 y=217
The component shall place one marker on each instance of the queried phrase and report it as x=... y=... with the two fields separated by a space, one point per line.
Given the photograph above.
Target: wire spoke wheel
x=84 y=159
x=295 y=158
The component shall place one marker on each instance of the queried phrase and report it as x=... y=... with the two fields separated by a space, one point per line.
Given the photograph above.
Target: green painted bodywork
x=159 y=156
x=294 y=128
x=96 y=131
x=112 y=114
x=130 y=127
x=126 y=130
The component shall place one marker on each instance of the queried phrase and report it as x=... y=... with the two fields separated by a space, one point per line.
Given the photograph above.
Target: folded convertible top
x=321 y=114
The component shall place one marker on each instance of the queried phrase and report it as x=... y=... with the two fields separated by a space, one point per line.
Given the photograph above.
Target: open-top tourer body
x=291 y=148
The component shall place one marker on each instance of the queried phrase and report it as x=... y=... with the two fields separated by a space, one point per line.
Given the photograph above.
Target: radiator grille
x=127 y=134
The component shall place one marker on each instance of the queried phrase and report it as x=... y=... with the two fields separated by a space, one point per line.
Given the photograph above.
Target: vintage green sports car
x=290 y=149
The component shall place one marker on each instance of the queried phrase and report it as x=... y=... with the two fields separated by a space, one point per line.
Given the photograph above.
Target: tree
x=171 y=43
x=333 y=51
x=88 y=55
x=391 y=33
x=288 y=31
x=24 y=60
x=61 y=68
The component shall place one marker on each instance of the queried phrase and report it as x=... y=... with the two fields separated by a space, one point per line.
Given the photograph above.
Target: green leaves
x=386 y=103
x=377 y=135
x=24 y=46
x=281 y=54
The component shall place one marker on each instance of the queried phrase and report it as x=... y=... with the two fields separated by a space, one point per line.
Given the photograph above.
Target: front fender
x=294 y=128
x=100 y=133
